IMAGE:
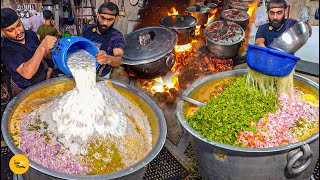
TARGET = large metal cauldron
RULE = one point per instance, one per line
(183, 25)
(201, 13)
(243, 22)
(148, 52)
(219, 161)
(136, 171)
(224, 50)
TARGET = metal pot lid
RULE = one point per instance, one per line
(201, 10)
(209, 5)
(180, 21)
(235, 15)
(234, 35)
(148, 44)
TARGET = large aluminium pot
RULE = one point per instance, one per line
(237, 16)
(149, 52)
(238, 5)
(220, 161)
(199, 12)
(207, 4)
(223, 49)
(136, 171)
(183, 25)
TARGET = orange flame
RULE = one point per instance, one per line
(181, 48)
(197, 31)
(212, 16)
(163, 84)
(173, 11)
(252, 7)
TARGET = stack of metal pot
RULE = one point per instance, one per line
(183, 25)
(149, 52)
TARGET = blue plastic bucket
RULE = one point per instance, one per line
(269, 61)
(70, 45)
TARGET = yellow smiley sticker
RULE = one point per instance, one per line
(19, 164)
(94, 30)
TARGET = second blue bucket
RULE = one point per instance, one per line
(68, 45)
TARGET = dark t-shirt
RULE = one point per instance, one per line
(13, 54)
(113, 39)
(270, 35)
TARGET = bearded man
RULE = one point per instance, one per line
(110, 40)
(22, 52)
(277, 23)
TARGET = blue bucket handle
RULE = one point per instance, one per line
(56, 45)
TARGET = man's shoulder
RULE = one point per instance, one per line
(117, 34)
(5, 45)
(264, 26)
(91, 28)
(290, 22)
(9, 48)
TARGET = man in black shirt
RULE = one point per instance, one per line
(277, 23)
(22, 52)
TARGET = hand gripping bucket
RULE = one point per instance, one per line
(269, 61)
(70, 45)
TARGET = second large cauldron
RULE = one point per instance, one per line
(221, 161)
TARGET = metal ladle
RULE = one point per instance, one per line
(193, 101)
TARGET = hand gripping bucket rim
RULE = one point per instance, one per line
(71, 43)
(269, 61)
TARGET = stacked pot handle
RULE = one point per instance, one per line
(169, 59)
(299, 159)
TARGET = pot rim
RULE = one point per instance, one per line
(117, 174)
(180, 28)
(243, 7)
(223, 44)
(206, 10)
(144, 61)
(187, 127)
(237, 20)
(209, 5)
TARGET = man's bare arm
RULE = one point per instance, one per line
(260, 42)
(29, 68)
(113, 61)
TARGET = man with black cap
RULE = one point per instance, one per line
(22, 52)
(110, 39)
(277, 23)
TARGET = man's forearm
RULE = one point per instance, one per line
(29, 68)
(260, 42)
(114, 61)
